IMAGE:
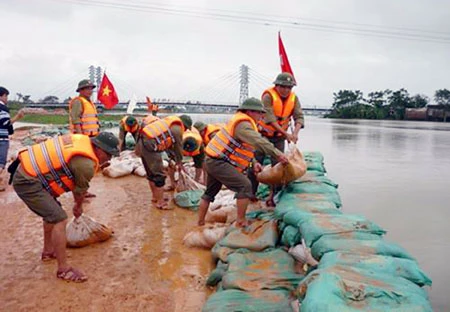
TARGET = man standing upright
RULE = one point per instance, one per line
(83, 114)
(281, 105)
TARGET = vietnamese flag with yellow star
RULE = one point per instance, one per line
(106, 93)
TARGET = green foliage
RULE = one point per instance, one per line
(442, 97)
(385, 104)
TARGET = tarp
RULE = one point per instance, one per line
(347, 289)
(188, 199)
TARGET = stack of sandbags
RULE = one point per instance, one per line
(84, 231)
(283, 174)
(205, 236)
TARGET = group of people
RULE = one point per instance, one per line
(224, 154)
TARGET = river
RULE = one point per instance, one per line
(397, 174)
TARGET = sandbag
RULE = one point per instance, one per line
(187, 183)
(405, 268)
(347, 289)
(127, 163)
(84, 231)
(205, 236)
(283, 174)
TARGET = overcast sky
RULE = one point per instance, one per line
(157, 48)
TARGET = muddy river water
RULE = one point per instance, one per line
(395, 173)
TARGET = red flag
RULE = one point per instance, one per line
(106, 93)
(149, 104)
(284, 62)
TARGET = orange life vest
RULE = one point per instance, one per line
(283, 111)
(197, 137)
(89, 118)
(127, 128)
(49, 161)
(211, 131)
(149, 119)
(225, 146)
(159, 130)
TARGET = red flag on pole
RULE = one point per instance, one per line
(284, 62)
(106, 93)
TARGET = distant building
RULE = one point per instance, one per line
(429, 113)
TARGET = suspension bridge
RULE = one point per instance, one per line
(220, 95)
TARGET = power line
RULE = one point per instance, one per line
(402, 33)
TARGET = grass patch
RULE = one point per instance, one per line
(60, 119)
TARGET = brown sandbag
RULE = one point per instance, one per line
(84, 231)
(283, 174)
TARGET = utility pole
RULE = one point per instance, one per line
(243, 94)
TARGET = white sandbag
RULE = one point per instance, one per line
(205, 236)
(225, 214)
(187, 183)
(302, 254)
(84, 231)
(119, 168)
(140, 171)
(283, 174)
(223, 198)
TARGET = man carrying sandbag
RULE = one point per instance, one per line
(230, 153)
(165, 134)
(207, 131)
(65, 163)
(127, 124)
(281, 105)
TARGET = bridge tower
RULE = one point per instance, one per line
(243, 94)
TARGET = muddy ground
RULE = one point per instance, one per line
(144, 267)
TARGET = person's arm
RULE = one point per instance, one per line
(18, 116)
(83, 170)
(245, 133)
(177, 147)
(122, 135)
(269, 117)
(299, 119)
(75, 115)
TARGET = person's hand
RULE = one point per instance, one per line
(20, 114)
(257, 167)
(283, 159)
(291, 138)
(77, 210)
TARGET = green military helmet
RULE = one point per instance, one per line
(199, 125)
(85, 83)
(190, 144)
(252, 104)
(285, 79)
(131, 121)
(107, 142)
(187, 121)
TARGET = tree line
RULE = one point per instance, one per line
(385, 104)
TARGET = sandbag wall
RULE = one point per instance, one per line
(358, 269)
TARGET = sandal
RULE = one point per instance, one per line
(163, 206)
(243, 224)
(48, 256)
(71, 275)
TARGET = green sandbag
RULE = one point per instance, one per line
(290, 202)
(313, 228)
(370, 244)
(188, 199)
(244, 301)
(316, 179)
(299, 187)
(346, 289)
(263, 191)
(216, 275)
(274, 270)
(377, 264)
(301, 196)
(313, 156)
(259, 235)
(290, 236)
